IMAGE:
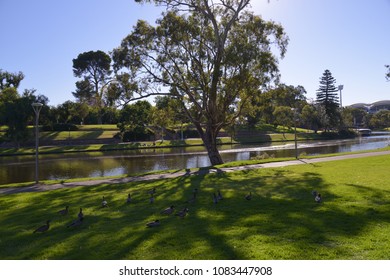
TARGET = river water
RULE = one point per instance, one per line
(17, 169)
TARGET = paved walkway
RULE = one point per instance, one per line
(41, 187)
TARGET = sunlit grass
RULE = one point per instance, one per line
(282, 221)
(98, 127)
(77, 135)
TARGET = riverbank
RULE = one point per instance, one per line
(232, 167)
(70, 147)
(64, 167)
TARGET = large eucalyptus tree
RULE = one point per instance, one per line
(94, 67)
(213, 56)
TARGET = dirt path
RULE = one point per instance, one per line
(42, 187)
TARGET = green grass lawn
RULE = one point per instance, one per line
(282, 221)
(77, 135)
(89, 127)
(104, 131)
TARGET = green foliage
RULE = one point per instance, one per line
(354, 117)
(342, 134)
(271, 106)
(311, 117)
(162, 115)
(133, 121)
(15, 109)
(327, 94)
(10, 80)
(8, 95)
(121, 90)
(16, 112)
(63, 113)
(284, 116)
(84, 91)
(380, 120)
(327, 97)
(95, 69)
(92, 65)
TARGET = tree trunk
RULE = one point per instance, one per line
(209, 138)
(213, 153)
(100, 115)
(99, 118)
(99, 104)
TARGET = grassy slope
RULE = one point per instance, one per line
(281, 222)
(101, 132)
(132, 145)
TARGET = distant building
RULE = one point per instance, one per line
(373, 107)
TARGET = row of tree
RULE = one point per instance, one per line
(282, 105)
(16, 111)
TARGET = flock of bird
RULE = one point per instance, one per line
(171, 209)
(63, 212)
(216, 198)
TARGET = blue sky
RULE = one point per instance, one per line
(348, 37)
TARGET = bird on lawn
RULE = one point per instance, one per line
(128, 198)
(76, 223)
(80, 215)
(43, 228)
(152, 191)
(219, 195)
(151, 199)
(182, 213)
(215, 199)
(104, 202)
(168, 211)
(318, 198)
(64, 211)
(248, 196)
(155, 223)
(193, 198)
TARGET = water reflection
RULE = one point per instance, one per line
(81, 165)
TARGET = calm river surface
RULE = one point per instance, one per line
(79, 165)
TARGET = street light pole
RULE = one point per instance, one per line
(341, 87)
(295, 131)
(37, 108)
(295, 137)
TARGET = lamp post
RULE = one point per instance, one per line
(341, 87)
(295, 131)
(37, 108)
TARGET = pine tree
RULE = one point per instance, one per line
(327, 97)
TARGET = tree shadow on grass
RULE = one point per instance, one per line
(94, 134)
(282, 221)
(291, 211)
(49, 136)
